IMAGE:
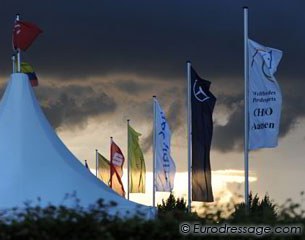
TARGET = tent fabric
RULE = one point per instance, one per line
(35, 164)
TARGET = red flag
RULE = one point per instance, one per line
(24, 34)
(116, 169)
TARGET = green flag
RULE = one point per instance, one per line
(137, 170)
(103, 169)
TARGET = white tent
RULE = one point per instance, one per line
(34, 163)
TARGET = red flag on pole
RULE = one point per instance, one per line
(24, 34)
(116, 169)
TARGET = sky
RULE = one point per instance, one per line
(100, 62)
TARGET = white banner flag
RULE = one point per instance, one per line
(165, 166)
(265, 98)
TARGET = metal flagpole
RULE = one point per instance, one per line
(154, 151)
(246, 112)
(128, 160)
(110, 163)
(13, 63)
(96, 162)
(18, 50)
(189, 133)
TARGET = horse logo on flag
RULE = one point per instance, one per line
(268, 66)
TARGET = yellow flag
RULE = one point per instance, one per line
(137, 170)
(28, 70)
(103, 169)
(26, 67)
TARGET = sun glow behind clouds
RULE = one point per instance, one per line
(220, 183)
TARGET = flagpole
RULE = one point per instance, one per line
(154, 151)
(246, 109)
(18, 50)
(111, 140)
(13, 63)
(96, 161)
(189, 132)
(128, 159)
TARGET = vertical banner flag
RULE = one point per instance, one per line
(202, 105)
(24, 34)
(265, 97)
(137, 169)
(103, 169)
(28, 70)
(165, 166)
(116, 169)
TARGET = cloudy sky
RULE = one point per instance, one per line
(100, 62)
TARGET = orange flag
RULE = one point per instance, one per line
(116, 169)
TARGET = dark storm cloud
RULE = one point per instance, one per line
(230, 136)
(73, 105)
(293, 111)
(152, 37)
(174, 114)
(131, 86)
(147, 142)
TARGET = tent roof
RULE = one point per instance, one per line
(36, 164)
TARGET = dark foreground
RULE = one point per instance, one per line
(34, 222)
